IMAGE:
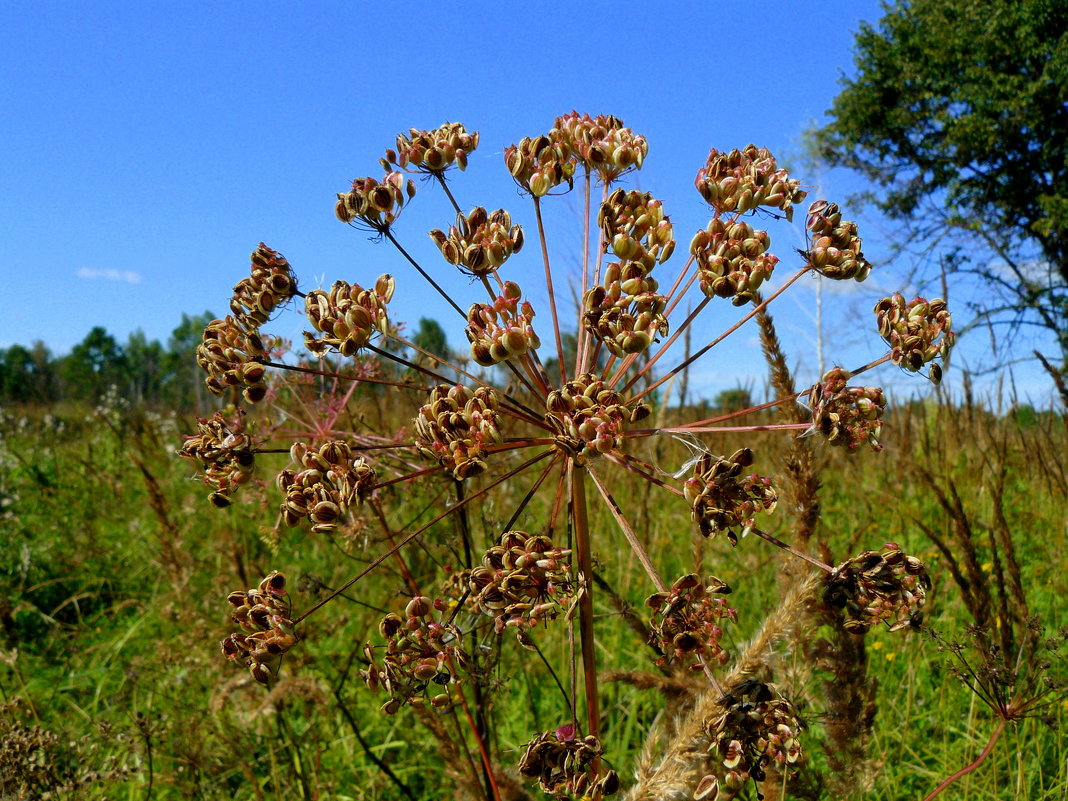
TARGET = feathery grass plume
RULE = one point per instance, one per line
(679, 770)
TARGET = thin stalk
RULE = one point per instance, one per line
(753, 313)
(368, 752)
(628, 532)
(642, 469)
(583, 335)
(389, 235)
(343, 376)
(401, 564)
(663, 348)
(409, 537)
(440, 175)
(585, 575)
(791, 549)
(549, 287)
(530, 494)
(533, 416)
(969, 768)
(487, 766)
(463, 742)
(721, 429)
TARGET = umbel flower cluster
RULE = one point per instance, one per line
(266, 629)
(559, 415)
(225, 452)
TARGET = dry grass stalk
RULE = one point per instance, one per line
(677, 771)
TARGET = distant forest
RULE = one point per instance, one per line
(141, 370)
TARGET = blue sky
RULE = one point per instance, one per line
(149, 147)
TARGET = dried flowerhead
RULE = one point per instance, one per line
(376, 204)
(432, 151)
(732, 261)
(457, 427)
(521, 582)
(834, 249)
(230, 353)
(270, 284)
(562, 763)
(636, 228)
(503, 329)
(422, 654)
(328, 482)
(917, 332)
(588, 418)
(224, 450)
(757, 727)
(686, 623)
(347, 316)
(849, 416)
(541, 164)
(479, 243)
(626, 312)
(267, 632)
(879, 586)
(744, 180)
(723, 499)
(602, 144)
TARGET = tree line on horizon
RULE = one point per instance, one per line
(144, 371)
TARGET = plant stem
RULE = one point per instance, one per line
(969, 768)
(389, 235)
(552, 294)
(585, 575)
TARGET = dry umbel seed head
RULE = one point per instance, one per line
(625, 312)
(686, 622)
(602, 144)
(732, 261)
(636, 228)
(230, 353)
(348, 316)
(376, 204)
(743, 180)
(267, 632)
(588, 418)
(917, 332)
(327, 483)
(848, 416)
(502, 330)
(270, 284)
(432, 151)
(521, 582)
(540, 165)
(562, 763)
(757, 727)
(457, 426)
(834, 249)
(480, 242)
(723, 498)
(224, 451)
(879, 586)
(421, 656)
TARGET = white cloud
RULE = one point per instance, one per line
(129, 276)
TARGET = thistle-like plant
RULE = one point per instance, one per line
(559, 422)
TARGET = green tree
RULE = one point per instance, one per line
(185, 387)
(93, 365)
(431, 338)
(959, 115)
(145, 367)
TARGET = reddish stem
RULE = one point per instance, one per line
(969, 768)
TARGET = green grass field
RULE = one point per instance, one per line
(114, 572)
